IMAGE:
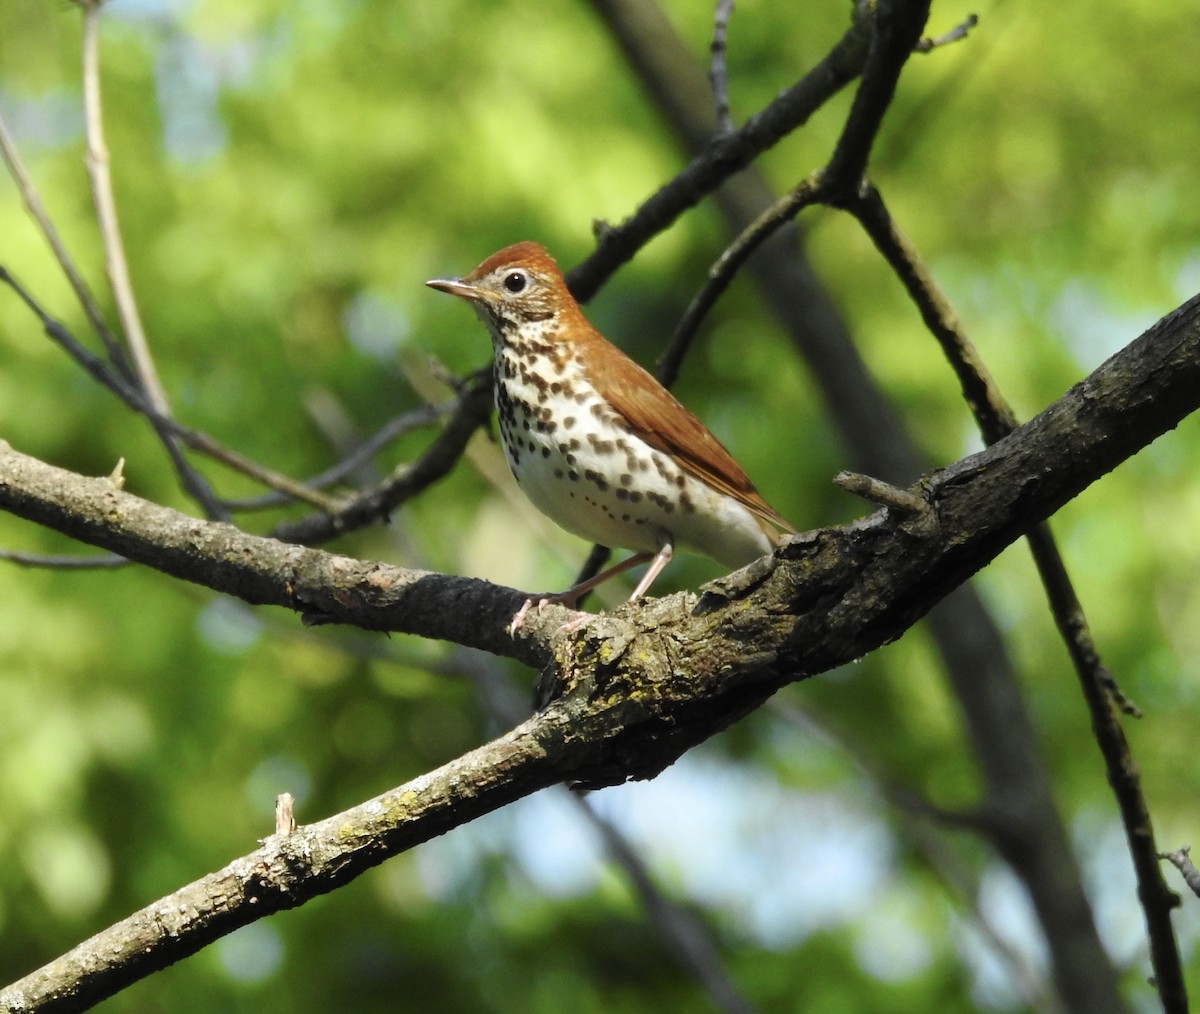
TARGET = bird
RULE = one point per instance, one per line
(597, 443)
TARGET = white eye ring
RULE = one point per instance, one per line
(515, 281)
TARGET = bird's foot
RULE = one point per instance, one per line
(567, 598)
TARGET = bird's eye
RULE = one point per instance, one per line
(516, 281)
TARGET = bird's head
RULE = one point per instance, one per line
(519, 287)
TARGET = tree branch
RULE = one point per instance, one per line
(977, 507)
(996, 418)
(898, 28)
(726, 155)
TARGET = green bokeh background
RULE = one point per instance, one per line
(287, 175)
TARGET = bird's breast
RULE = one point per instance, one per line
(584, 467)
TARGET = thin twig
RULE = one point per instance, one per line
(125, 380)
(891, 45)
(718, 72)
(685, 935)
(105, 374)
(919, 818)
(996, 420)
(106, 213)
(1181, 860)
(354, 459)
(37, 211)
(807, 192)
(369, 506)
(884, 493)
(958, 32)
(194, 483)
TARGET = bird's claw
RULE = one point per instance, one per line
(518, 621)
(538, 602)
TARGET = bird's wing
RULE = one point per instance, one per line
(663, 423)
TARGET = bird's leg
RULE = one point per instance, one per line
(659, 561)
(655, 568)
(573, 594)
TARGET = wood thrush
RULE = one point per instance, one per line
(595, 441)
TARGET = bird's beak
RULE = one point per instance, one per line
(457, 287)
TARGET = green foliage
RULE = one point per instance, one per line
(287, 175)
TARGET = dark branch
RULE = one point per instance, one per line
(996, 419)
(725, 156)
(898, 27)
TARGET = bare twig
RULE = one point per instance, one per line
(726, 155)
(37, 211)
(126, 390)
(958, 32)
(920, 819)
(193, 482)
(126, 381)
(369, 506)
(106, 213)
(718, 71)
(354, 459)
(807, 192)
(688, 939)
(1181, 860)
(897, 27)
(882, 493)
